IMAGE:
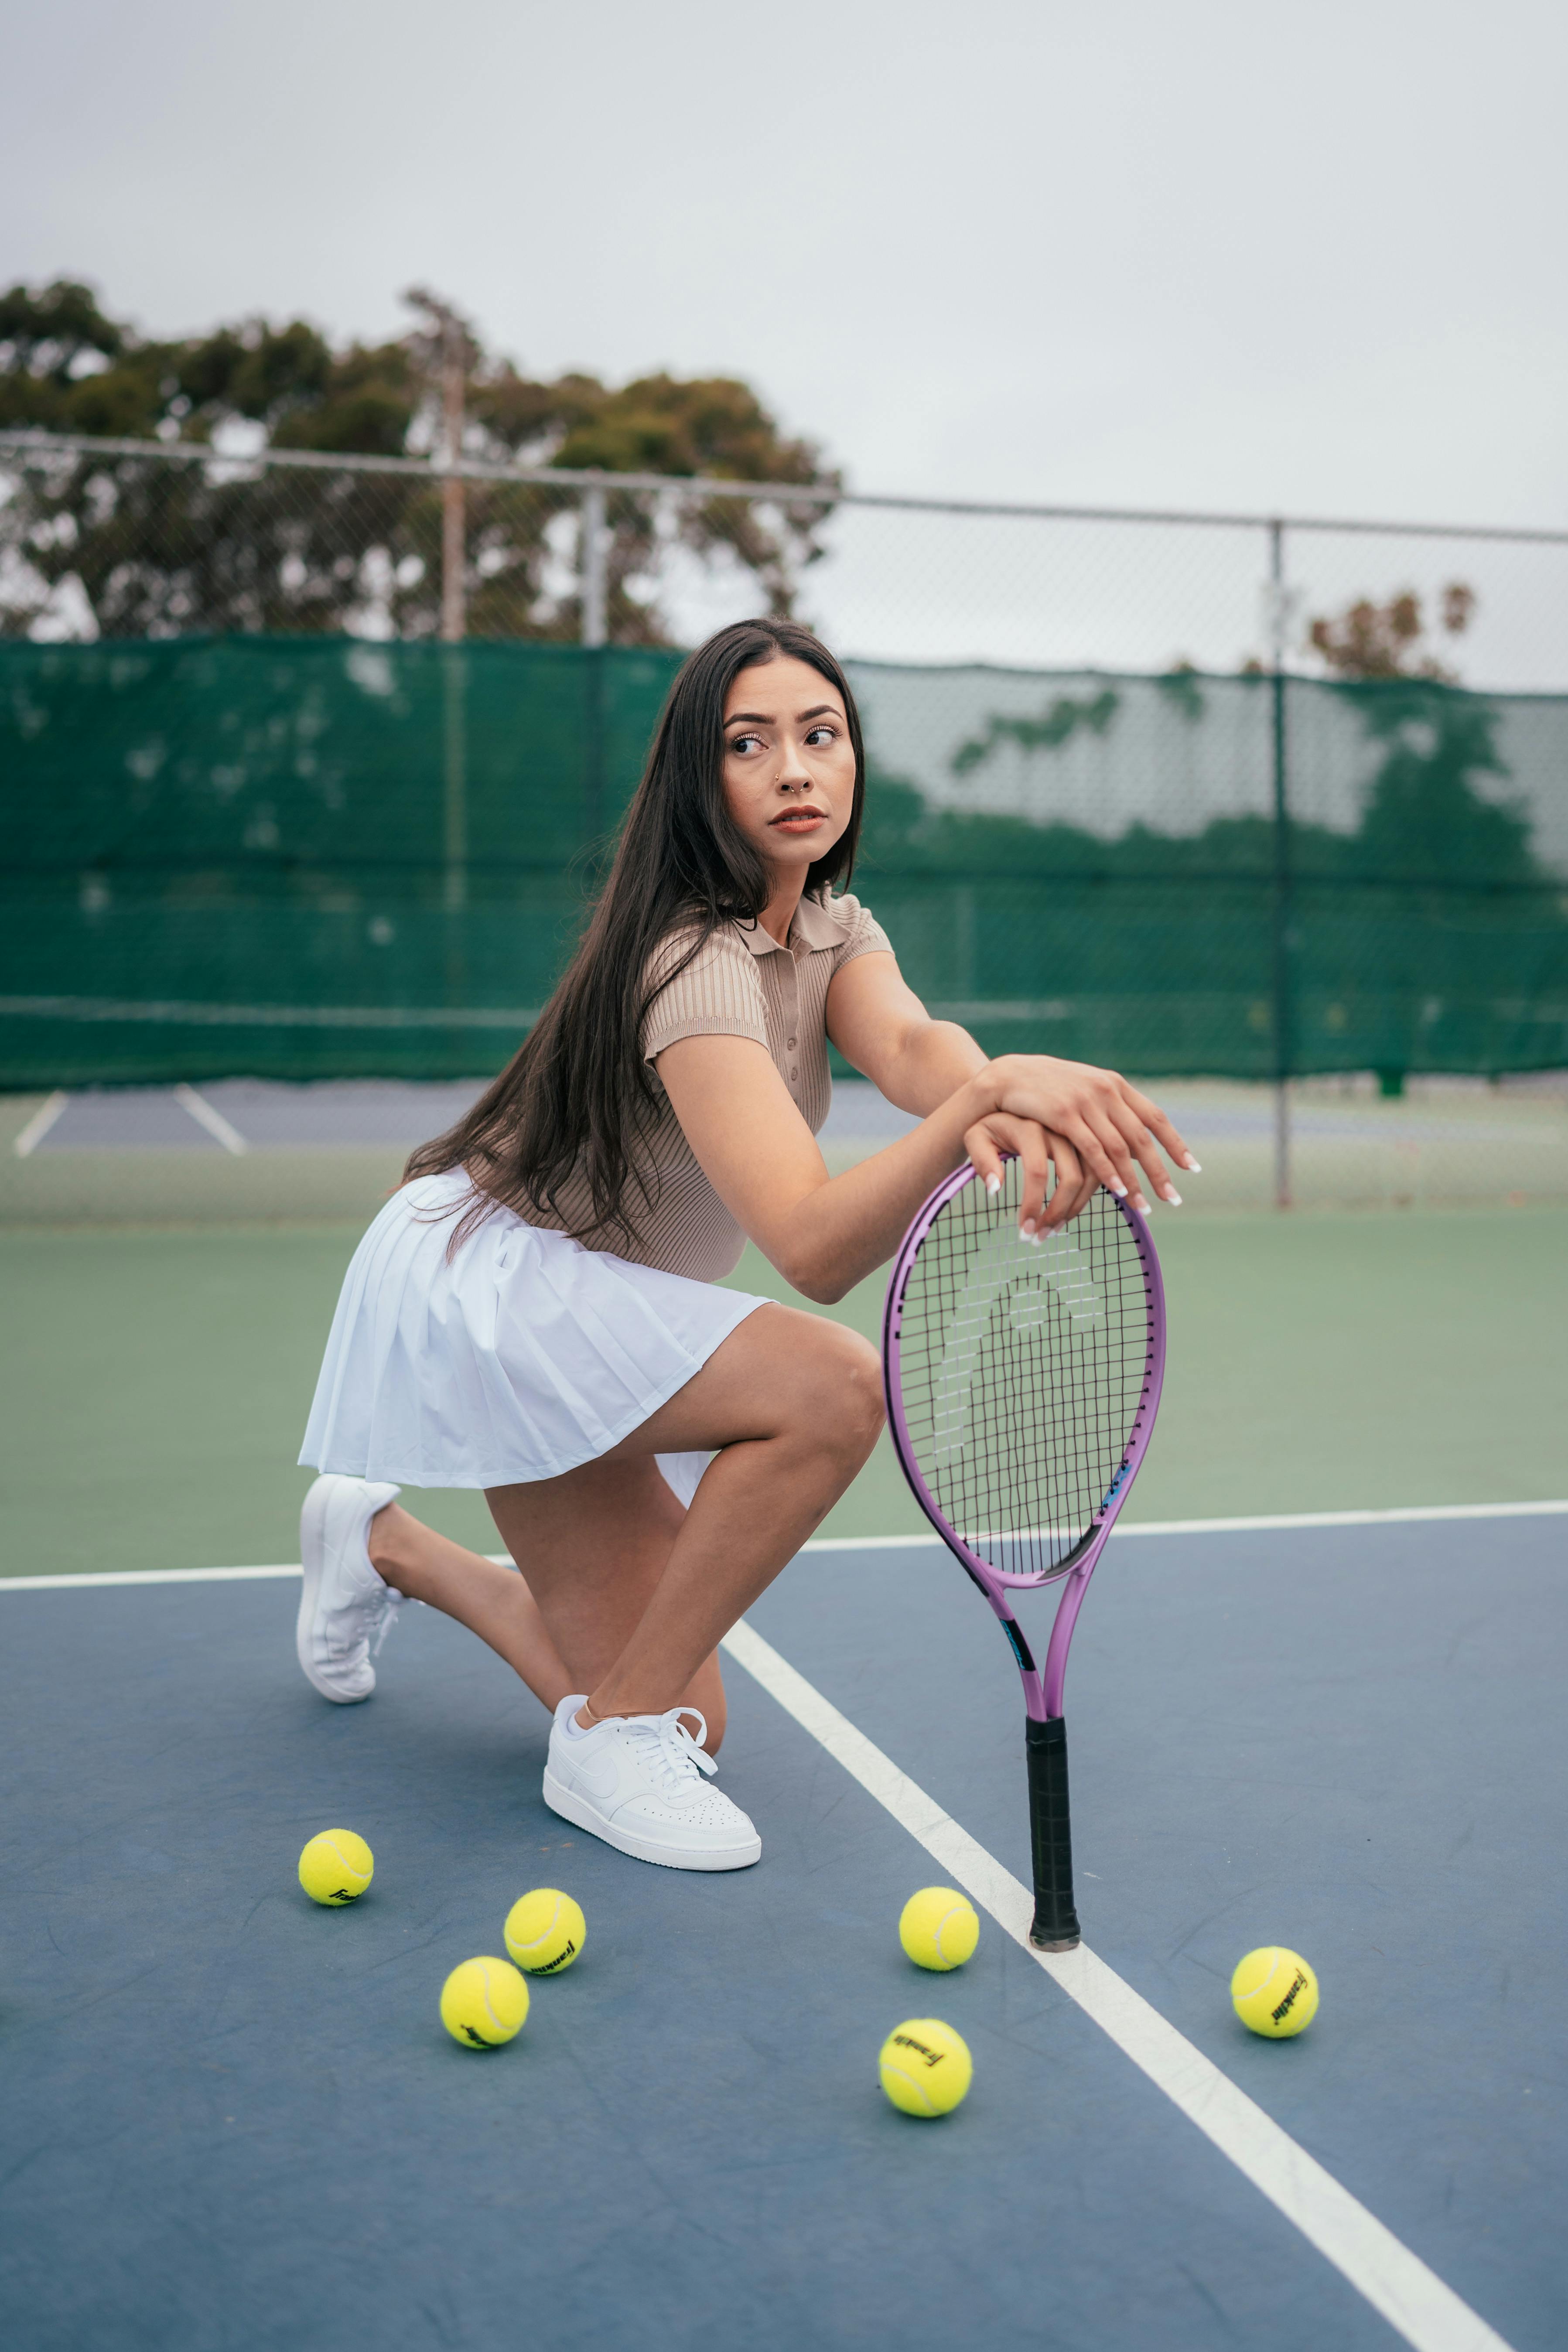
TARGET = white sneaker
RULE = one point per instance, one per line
(636, 1780)
(344, 1601)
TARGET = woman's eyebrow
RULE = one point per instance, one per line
(770, 718)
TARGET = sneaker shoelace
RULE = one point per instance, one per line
(370, 1613)
(394, 1602)
(678, 1756)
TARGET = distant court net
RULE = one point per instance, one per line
(312, 857)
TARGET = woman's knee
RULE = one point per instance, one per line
(845, 1393)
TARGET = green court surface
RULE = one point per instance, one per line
(155, 1381)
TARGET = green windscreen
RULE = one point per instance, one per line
(318, 858)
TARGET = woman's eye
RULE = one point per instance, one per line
(739, 742)
(823, 734)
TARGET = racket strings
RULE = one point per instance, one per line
(1022, 1369)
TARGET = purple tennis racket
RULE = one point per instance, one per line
(1022, 1380)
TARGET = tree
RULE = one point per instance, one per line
(1055, 726)
(1382, 641)
(166, 547)
(1427, 815)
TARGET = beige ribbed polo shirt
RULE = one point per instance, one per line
(742, 983)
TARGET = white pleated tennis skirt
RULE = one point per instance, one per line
(517, 1359)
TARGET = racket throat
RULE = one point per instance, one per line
(1056, 1927)
(1022, 1656)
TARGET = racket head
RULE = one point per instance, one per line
(1022, 1378)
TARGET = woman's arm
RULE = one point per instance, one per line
(882, 1029)
(879, 1024)
(823, 1232)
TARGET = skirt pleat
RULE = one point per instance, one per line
(518, 1357)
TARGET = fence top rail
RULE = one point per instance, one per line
(24, 443)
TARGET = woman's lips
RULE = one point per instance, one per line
(799, 820)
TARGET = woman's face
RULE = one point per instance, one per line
(789, 764)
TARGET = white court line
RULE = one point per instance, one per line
(93, 1577)
(216, 1125)
(1396, 2283)
(1409, 1512)
(39, 1126)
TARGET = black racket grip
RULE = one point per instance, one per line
(1056, 1927)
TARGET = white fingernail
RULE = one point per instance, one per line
(994, 1185)
(1027, 1229)
(1118, 1188)
(1195, 1165)
(1172, 1198)
(1140, 1202)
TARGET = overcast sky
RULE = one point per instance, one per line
(1212, 254)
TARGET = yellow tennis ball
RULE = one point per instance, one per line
(483, 2003)
(1274, 1991)
(925, 2066)
(544, 1931)
(335, 1868)
(938, 1928)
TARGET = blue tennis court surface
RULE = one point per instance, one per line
(231, 2119)
(260, 1113)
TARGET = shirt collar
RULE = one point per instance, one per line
(817, 924)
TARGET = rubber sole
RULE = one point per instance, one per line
(581, 1814)
(313, 1544)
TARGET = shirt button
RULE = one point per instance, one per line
(789, 1040)
(794, 1074)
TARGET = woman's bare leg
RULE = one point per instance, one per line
(618, 1519)
(622, 1592)
(492, 1601)
(794, 1404)
(611, 1524)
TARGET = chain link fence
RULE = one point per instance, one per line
(309, 760)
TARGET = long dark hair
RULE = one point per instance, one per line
(577, 1098)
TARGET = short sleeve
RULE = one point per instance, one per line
(718, 994)
(866, 935)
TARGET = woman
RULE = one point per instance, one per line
(536, 1310)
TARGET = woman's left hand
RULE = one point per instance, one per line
(1002, 1136)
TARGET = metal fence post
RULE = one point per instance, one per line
(593, 567)
(454, 600)
(965, 984)
(453, 596)
(1279, 616)
(455, 770)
